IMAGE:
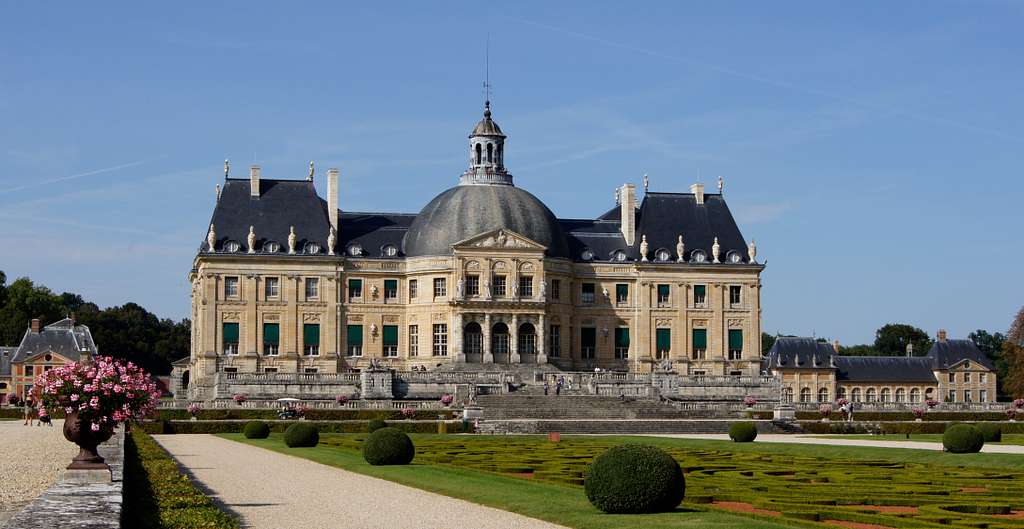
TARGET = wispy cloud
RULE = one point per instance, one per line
(78, 224)
(74, 176)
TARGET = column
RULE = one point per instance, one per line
(252, 324)
(457, 341)
(542, 356)
(513, 340)
(488, 356)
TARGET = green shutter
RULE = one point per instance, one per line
(230, 333)
(622, 337)
(699, 290)
(271, 333)
(700, 339)
(588, 337)
(663, 339)
(311, 334)
(621, 291)
(355, 287)
(355, 335)
(662, 291)
(390, 335)
(735, 340)
(391, 284)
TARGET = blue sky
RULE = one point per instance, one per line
(873, 150)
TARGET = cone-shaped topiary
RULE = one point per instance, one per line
(388, 446)
(634, 478)
(963, 439)
(993, 433)
(256, 430)
(743, 432)
(375, 424)
(301, 435)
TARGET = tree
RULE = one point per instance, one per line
(1013, 353)
(858, 350)
(892, 339)
(767, 341)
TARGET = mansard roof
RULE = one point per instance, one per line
(6, 354)
(884, 369)
(945, 354)
(63, 338)
(793, 352)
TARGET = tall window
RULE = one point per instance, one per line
(473, 338)
(622, 343)
(556, 289)
(355, 289)
(414, 289)
(735, 294)
(700, 344)
(872, 395)
(440, 339)
(354, 335)
(621, 293)
(555, 339)
(967, 378)
(311, 339)
(30, 371)
(230, 333)
(735, 344)
(526, 286)
(587, 293)
(414, 340)
(951, 397)
(663, 342)
(527, 342)
(952, 378)
(272, 287)
(588, 341)
(390, 340)
(886, 395)
(700, 295)
(901, 395)
(499, 286)
(805, 395)
(982, 395)
(663, 295)
(271, 339)
(967, 395)
(312, 288)
(855, 395)
(231, 287)
(982, 377)
(390, 289)
(915, 395)
(472, 285)
(440, 287)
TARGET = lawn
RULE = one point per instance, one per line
(1008, 438)
(794, 485)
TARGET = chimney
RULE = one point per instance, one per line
(36, 325)
(254, 181)
(332, 198)
(698, 192)
(627, 199)
(942, 335)
(835, 346)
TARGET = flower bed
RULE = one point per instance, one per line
(236, 426)
(313, 414)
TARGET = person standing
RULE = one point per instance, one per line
(546, 386)
(30, 411)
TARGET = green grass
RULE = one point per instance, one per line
(1008, 439)
(555, 503)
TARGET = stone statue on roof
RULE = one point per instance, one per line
(680, 247)
(752, 251)
(292, 239)
(643, 247)
(332, 239)
(312, 171)
(211, 239)
(716, 249)
(251, 239)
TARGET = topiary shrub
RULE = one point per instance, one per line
(993, 433)
(634, 478)
(963, 439)
(375, 424)
(388, 446)
(256, 430)
(743, 432)
(301, 435)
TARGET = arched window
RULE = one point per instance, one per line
(501, 153)
(915, 395)
(822, 394)
(886, 395)
(840, 393)
(805, 395)
(872, 395)
(478, 151)
(855, 395)
(787, 394)
(901, 395)
(490, 153)
(527, 339)
(473, 339)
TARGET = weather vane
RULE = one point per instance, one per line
(487, 72)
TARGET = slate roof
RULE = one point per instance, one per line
(790, 352)
(282, 204)
(947, 353)
(884, 369)
(6, 353)
(62, 337)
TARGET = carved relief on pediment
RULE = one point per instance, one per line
(230, 316)
(500, 239)
(311, 317)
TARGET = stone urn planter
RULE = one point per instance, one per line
(78, 432)
(918, 419)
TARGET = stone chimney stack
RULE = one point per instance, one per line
(332, 198)
(835, 346)
(942, 335)
(627, 203)
(36, 325)
(254, 181)
(698, 192)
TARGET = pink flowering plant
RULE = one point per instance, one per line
(1018, 403)
(341, 399)
(408, 413)
(104, 393)
(842, 402)
(239, 398)
(825, 410)
(931, 403)
(447, 399)
(194, 409)
(918, 412)
(1011, 413)
(749, 401)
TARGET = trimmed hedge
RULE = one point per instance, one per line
(992, 432)
(388, 446)
(301, 435)
(214, 427)
(963, 439)
(375, 424)
(256, 430)
(910, 427)
(158, 496)
(634, 478)
(888, 416)
(743, 432)
(313, 414)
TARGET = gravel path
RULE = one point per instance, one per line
(812, 440)
(272, 490)
(30, 461)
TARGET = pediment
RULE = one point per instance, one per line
(34, 357)
(500, 239)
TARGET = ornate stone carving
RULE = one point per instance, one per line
(292, 239)
(438, 316)
(643, 248)
(700, 323)
(390, 318)
(527, 267)
(543, 290)
(271, 316)
(250, 240)
(663, 322)
(680, 248)
(311, 317)
(501, 239)
(459, 286)
(752, 251)
(332, 239)
(211, 240)
(357, 317)
(716, 249)
(230, 316)
(473, 265)
(735, 322)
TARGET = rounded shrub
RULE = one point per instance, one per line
(301, 435)
(375, 424)
(634, 478)
(993, 433)
(743, 432)
(388, 446)
(256, 430)
(963, 439)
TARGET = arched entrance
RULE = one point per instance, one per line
(184, 382)
(499, 343)
(472, 342)
(526, 343)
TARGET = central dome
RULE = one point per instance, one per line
(467, 210)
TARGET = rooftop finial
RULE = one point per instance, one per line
(647, 182)
(312, 171)
(227, 167)
(721, 184)
(487, 77)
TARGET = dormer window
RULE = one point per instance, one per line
(271, 247)
(619, 255)
(733, 257)
(389, 250)
(355, 250)
(587, 255)
(662, 255)
(232, 246)
(698, 256)
(311, 248)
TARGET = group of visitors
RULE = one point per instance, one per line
(560, 382)
(847, 410)
(34, 413)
